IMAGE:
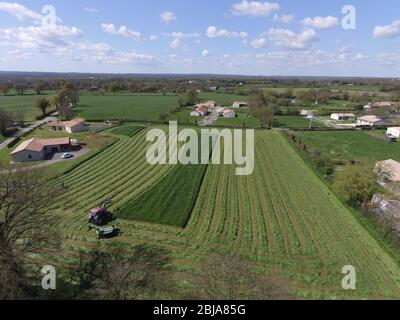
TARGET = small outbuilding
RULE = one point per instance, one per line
(239, 104)
(343, 116)
(229, 114)
(393, 132)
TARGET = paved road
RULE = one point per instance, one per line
(208, 121)
(28, 129)
(334, 124)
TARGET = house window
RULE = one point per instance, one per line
(29, 156)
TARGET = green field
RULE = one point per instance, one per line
(225, 100)
(139, 107)
(24, 105)
(171, 200)
(295, 122)
(283, 216)
(352, 145)
(126, 130)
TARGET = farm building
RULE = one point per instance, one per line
(370, 121)
(378, 105)
(74, 125)
(220, 112)
(38, 149)
(200, 111)
(239, 104)
(210, 104)
(343, 116)
(306, 113)
(229, 113)
(389, 170)
(393, 132)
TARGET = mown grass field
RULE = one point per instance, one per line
(24, 105)
(352, 145)
(283, 216)
(171, 200)
(295, 122)
(139, 107)
(126, 130)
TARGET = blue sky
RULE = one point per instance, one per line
(283, 37)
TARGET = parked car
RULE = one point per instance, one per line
(66, 156)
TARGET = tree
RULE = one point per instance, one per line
(5, 121)
(110, 273)
(43, 104)
(357, 183)
(222, 277)
(191, 98)
(260, 108)
(4, 89)
(25, 229)
(20, 89)
(39, 86)
(132, 86)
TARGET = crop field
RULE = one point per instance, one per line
(24, 105)
(165, 205)
(127, 130)
(283, 216)
(351, 145)
(139, 107)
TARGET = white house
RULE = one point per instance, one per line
(393, 132)
(200, 111)
(229, 113)
(75, 125)
(343, 116)
(220, 111)
(239, 104)
(37, 149)
(370, 121)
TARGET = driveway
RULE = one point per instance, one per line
(56, 158)
(28, 129)
(208, 121)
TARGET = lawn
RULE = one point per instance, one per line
(242, 120)
(352, 145)
(23, 105)
(282, 217)
(138, 107)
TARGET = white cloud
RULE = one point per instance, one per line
(288, 39)
(14, 56)
(205, 53)
(285, 18)
(259, 43)
(181, 35)
(177, 44)
(214, 32)
(254, 9)
(91, 10)
(122, 31)
(389, 58)
(168, 17)
(19, 11)
(389, 31)
(35, 37)
(153, 37)
(321, 22)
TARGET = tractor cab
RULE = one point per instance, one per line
(100, 216)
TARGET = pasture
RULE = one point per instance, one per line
(282, 216)
(138, 107)
(23, 105)
(222, 99)
(352, 145)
